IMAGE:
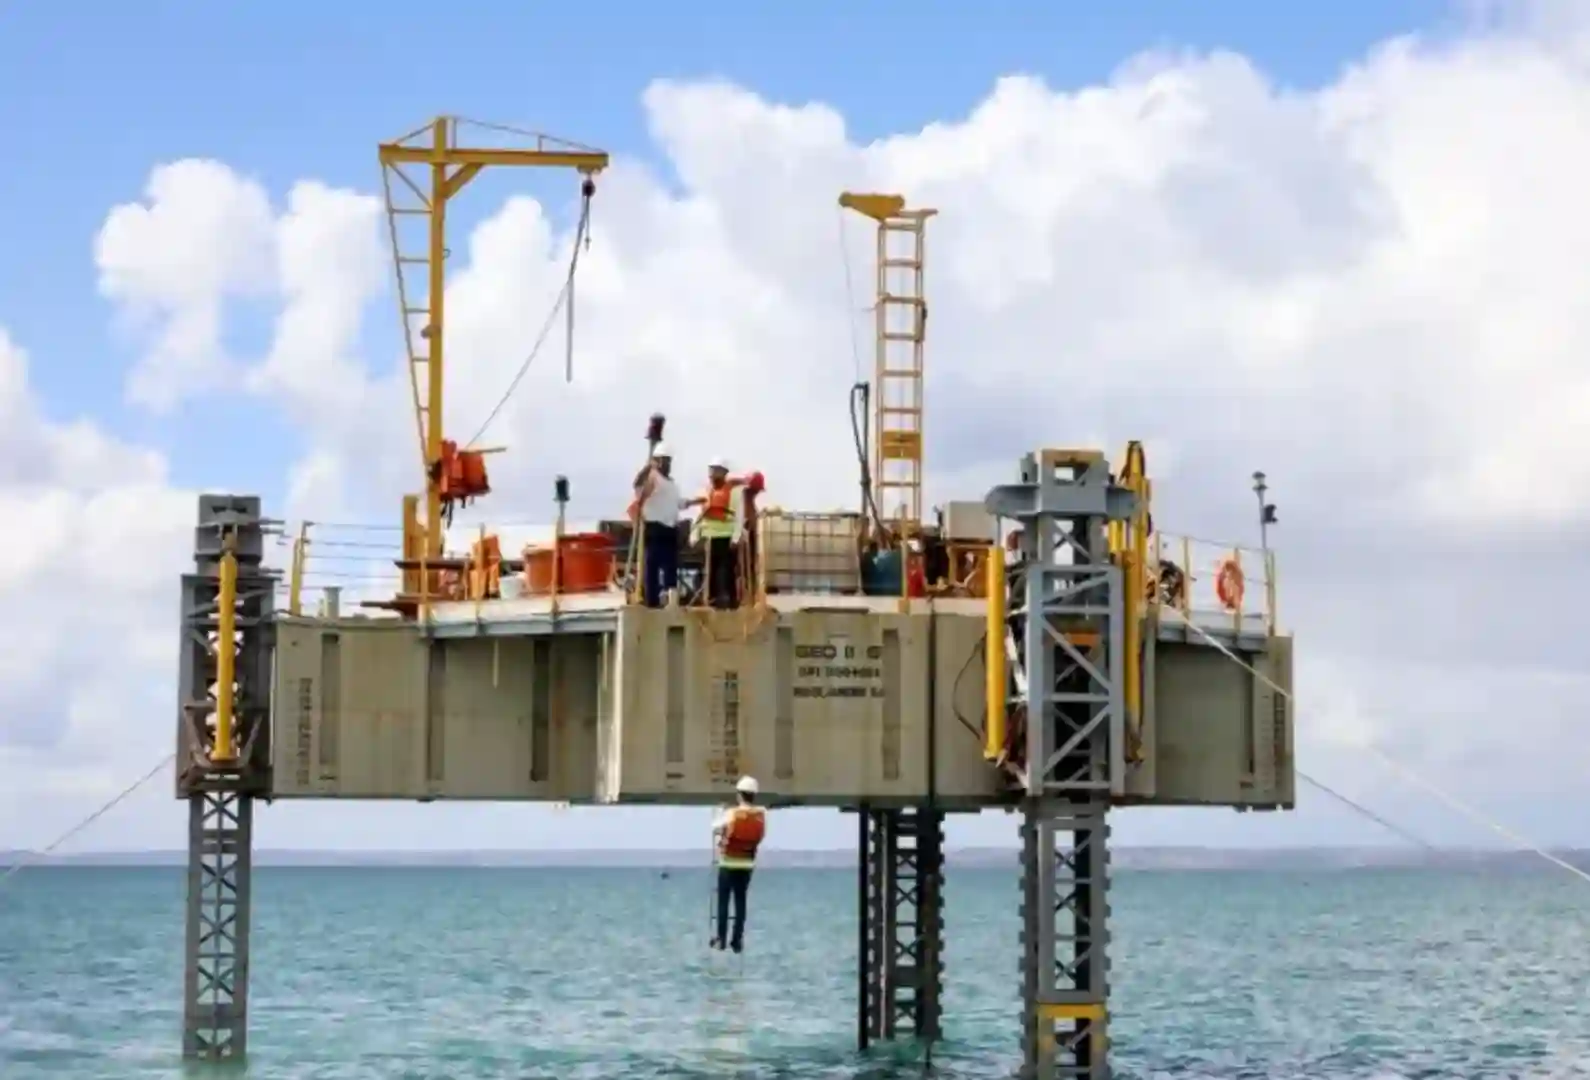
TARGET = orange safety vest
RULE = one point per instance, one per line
(742, 834)
(718, 506)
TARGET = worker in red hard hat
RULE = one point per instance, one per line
(749, 487)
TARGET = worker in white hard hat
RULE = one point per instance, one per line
(716, 528)
(737, 832)
(656, 513)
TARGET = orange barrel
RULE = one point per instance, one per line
(587, 562)
(538, 570)
(585, 565)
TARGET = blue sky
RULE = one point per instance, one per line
(288, 91)
(284, 91)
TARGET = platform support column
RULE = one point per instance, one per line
(220, 857)
(1065, 608)
(220, 789)
(901, 908)
(1065, 941)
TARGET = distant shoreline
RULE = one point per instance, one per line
(1124, 858)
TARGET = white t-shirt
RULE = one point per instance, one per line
(662, 505)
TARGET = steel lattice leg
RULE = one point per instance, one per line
(220, 790)
(1065, 941)
(902, 917)
(220, 844)
(1067, 614)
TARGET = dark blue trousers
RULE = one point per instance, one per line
(660, 544)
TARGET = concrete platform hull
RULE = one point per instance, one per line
(1215, 732)
(370, 709)
(824, 707)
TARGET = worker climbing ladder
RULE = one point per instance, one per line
(900, 313)
(1065, 628)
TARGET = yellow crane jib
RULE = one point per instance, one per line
(452, 473)
(900, 312)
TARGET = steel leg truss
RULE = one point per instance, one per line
(901, 901)
(220, 842)
(1065, 631)
(1065, 941)
(221, 794)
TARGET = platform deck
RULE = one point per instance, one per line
(577, 613)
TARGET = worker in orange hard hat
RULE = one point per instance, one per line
(737, 833)
(716, 526)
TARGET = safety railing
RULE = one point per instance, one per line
(338, 565)
(331, 567)
(1213, 584)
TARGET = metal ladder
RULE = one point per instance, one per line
(901, 315)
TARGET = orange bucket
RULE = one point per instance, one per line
(585, 564)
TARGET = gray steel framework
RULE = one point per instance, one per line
(1064, 641)
(901, 909)
(221, 796)
(215, 985)
(1064, 637)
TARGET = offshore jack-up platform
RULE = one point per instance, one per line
(1067, 669)
(850, 701)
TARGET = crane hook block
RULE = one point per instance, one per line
(460, 474)
(654, 428)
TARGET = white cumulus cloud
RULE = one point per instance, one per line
(96, 540)
(1371, 290)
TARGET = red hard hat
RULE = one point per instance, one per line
(756, 482)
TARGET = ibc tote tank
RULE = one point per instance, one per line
(810, 553)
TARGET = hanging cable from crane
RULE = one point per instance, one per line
(564, 302)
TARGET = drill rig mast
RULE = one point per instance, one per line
(900, 315)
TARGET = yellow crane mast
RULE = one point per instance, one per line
(901, 319)
(451, 474)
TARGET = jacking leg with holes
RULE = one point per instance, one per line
(901, 891)
(1065, 606)
(1065, 940)
(223, 757)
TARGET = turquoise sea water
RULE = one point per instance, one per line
(462, 974)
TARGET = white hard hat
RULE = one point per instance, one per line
(661, 450)
(719, 463)
(748, 785)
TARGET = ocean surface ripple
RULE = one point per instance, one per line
(459, 974)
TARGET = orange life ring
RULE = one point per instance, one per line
(1229, 585)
